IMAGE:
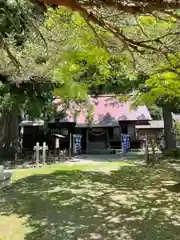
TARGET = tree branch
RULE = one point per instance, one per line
(5, 46)
(85, 9)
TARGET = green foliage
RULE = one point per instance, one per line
(56, 61)
(15, 22)
(153, 35)
(80, 38)
(79, 58)
(117, 82)
(30, 98)
(172, 153)
(74, 58)
(67, 46)
(161, 88)
(155, 112)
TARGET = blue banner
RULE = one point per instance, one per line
(125, 143)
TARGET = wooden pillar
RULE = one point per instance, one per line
(120, 135)
(146, 151)
(70, 144)
(21, 136)
(120, 129)
(37, 153)
(107, 138)
(153, 152)
(87, 140)
(44, 149)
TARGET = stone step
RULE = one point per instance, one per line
(97, 145)
(5, 178)
(5, 183)
(5, 174)
(1, 168)
(98, 151)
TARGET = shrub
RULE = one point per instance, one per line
(172, 153)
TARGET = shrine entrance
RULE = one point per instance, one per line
(97, 140)
(97, 134)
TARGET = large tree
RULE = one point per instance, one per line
(92, 60)
(162, 88)
(40, 67)
(71, 39)
(29, 98)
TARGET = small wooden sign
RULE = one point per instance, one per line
(57, 142)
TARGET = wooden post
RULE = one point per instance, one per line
(44, 149)
(73, 144)
(70, 144)
(87, 140)
(146, 152)
(21, 136)
(153, 152)
(37, 149)
(57, 146)
(57, 143)
(15, 158)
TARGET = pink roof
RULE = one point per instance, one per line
(108, 110)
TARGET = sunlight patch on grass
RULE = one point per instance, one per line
(67, 202)
(69, 166)
(12, 227)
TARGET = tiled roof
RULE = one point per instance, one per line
(176, 116)
(32, 123)
(154, 124)
(107, 110)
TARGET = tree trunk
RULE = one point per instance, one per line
(169, 135)
(9, 137)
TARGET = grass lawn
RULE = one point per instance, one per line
(64, 202)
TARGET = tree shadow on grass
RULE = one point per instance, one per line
(126, 204)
